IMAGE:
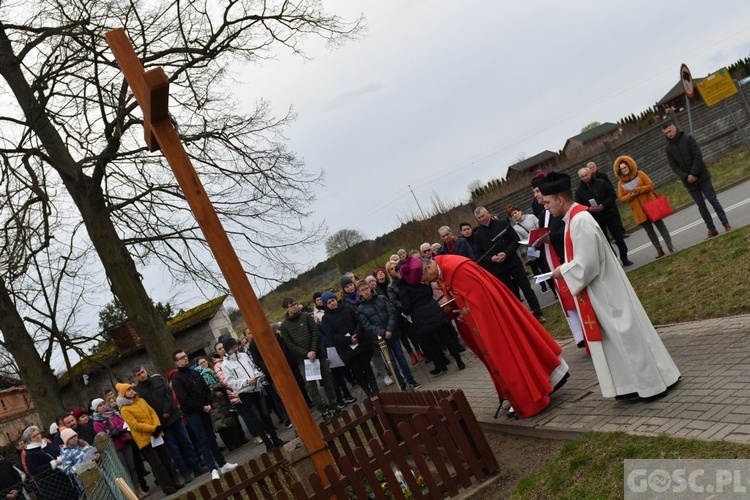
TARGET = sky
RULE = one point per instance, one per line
(436, 95)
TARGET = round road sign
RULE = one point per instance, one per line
(687, 81)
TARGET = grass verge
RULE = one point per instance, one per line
(701, 282)
(592, 465)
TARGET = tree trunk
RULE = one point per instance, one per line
(89, 198)
(35, 373)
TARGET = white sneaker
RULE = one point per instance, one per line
(215, 474)
(227, 467)
(387, 380)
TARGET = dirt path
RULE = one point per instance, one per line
(518, 456)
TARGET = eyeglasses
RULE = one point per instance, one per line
(427, 251)
(293, 304)
(180, 358)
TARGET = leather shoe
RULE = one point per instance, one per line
(660, 254)
(727, 227)
(627, 263)
(712, 233)
(671, 249)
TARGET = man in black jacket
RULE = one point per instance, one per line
(686, 159)
(600, 175)
(301, 335)
(195, 399)
(496, 250)
(155, 391)
(601, 199)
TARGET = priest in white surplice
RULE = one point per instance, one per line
(629, 357)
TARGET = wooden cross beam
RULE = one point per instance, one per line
(151, 90)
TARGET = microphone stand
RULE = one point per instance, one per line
(494, 242)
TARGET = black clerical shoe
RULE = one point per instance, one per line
(627, 263)
(581, 344)
(561, 383)
(627, 397)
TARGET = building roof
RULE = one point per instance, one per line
(675, 92)
(533, 161)
(594, 133)
(195, 316)
(108, 353)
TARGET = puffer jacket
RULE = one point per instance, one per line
(301, 335)
(140, 417)
(636, 188)
(337, 323)
(378, 316)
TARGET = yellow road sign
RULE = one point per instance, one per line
(716, 87)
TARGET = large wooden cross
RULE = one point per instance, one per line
(151, 90)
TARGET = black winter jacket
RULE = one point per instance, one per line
(191, 390)
(155, 391)
(685, 158)
(507, 243)
(378, 316)
(603, 193)
(417, 301)
(339, 322)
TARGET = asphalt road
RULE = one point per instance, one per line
(686, 227)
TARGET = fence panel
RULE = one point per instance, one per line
(426, 442)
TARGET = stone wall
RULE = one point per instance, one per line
(714, 130)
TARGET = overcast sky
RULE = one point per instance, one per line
(438, 94)
(435, 95)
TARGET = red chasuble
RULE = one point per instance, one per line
(517, 351)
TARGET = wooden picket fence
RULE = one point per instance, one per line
(429, 441)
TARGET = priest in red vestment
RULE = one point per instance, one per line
(523, 360)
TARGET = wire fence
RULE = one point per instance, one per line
(92, 480)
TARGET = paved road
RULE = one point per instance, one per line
(686, 227)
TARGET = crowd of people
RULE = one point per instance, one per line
(422, 306)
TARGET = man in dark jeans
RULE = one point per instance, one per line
(195, 399)
(156, 392)
(601, 199)
(686, 159)
(496, 250)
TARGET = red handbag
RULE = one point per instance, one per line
(658, 208)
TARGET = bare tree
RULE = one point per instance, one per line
(342, 240)
(590, 126)
(77, 118)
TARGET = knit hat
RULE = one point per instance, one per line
(122, 388)
(345, 280)
(412, 270)
(380, 270)
(229, 343)
(327, 296)
(316, 295)
(394, 258)
(77, 413)
(95, 403)
(66, 434)
(538, 179)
